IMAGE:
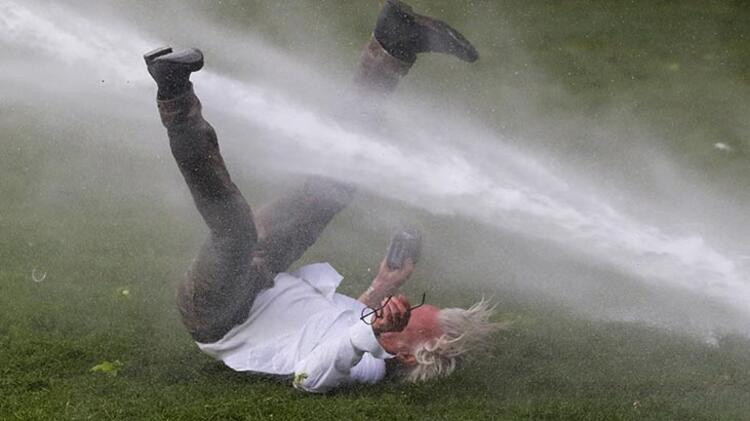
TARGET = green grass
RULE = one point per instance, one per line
(547, 365)
(103, 217)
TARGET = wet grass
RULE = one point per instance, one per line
(101, 221)
(112, 260)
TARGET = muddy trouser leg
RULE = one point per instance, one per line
(223, 279)
(291, 224)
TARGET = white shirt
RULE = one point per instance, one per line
(301, 326)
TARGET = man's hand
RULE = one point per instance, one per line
(392, 279)
(393, 317)
(386, 283)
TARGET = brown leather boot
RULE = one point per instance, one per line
(404, 34)
(171, 69)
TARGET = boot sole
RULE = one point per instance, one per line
(154, 54)
(190, 59)
(456, 44)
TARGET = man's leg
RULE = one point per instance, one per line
(292, 223)
(222, 282)
(288, 226)
(399, 35)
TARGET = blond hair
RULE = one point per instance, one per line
(464, 330)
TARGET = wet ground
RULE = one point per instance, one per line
(643, 102)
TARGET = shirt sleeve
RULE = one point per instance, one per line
(329, 365)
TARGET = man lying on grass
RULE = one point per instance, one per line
(238, 303)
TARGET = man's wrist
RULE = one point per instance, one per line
(382, 287)
(377, 282)
(376, 292)
(370, 290)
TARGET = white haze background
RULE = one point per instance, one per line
(71, 57)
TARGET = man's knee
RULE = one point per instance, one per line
(332, 192)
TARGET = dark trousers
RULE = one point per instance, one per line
(244, 251)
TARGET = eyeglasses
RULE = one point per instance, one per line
(378, 311)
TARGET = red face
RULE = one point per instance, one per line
(423, 325)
